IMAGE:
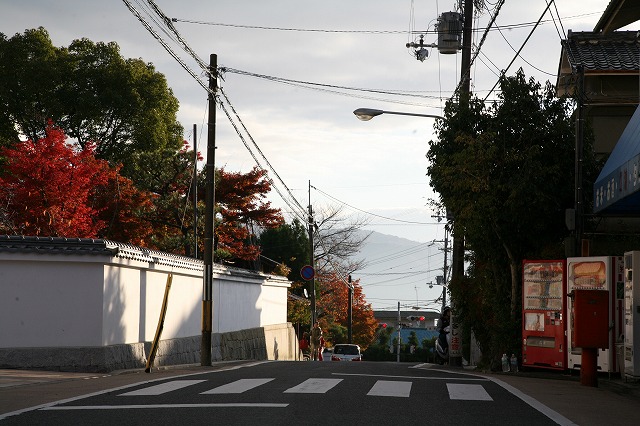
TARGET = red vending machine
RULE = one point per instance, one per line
(544, 314)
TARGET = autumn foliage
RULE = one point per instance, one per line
(240, 200)
(49, 189)
(333, 302)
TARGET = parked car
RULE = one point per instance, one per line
(346, 352)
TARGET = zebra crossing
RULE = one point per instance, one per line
(381, 388)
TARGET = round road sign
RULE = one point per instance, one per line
(307, 272)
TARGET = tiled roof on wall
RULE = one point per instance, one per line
(56, 245)
(617, 51)
(96, 247)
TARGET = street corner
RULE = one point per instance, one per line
(10, 378)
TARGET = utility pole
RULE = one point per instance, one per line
(444, 268)
(312, 262)
(195, 193)
(580, 248)
(457, 261)
(207, 288)
(443, 283)
(350, 311)
(399, 336)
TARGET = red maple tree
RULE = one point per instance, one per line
(50, 189)
(333, 302)
(241, 211)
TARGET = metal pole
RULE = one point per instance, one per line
(578, 163)
(312, 261)
(444, 269)
(350, 311)
(398, 345)
(207, 290)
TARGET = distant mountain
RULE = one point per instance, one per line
(399, 270)
(380, 245)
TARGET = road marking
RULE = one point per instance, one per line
(142, 406)
(163, 388)
(553, 415)
(468, 392)
(314, 386)
(391, 388)
(238, 386)
(465, 379)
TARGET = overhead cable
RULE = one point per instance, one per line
(369, 213)
(519, 50)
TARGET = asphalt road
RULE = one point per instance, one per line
(309, 393)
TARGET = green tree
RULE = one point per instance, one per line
(287, 244)
(92, 93)
(505, 171)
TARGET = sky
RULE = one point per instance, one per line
(306, 128)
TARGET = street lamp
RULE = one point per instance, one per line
(366, 114)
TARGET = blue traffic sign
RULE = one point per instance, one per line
(307, 272)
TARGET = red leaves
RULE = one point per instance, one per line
(51, 190)
(239, 198)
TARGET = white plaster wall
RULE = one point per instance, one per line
(272, 304)
(49, 300)
(184, 307)
(121, 305)
(50, 303)
(235, 305)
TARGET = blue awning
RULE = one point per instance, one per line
(617, 188)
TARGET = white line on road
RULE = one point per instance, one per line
(391, 388)
(468, 392)
(314, 386)
(238, 386)
(163, 388)
(154, 406)
(104, 391)
(553, 415)
(466, 379)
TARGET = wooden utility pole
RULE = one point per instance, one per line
(207, 287)
(457, 261)
(195, 192)
(312, 262)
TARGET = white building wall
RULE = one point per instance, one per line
(62, 300)
(184, 309)
(44, 303)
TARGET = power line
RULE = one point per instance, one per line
(519, 50)
(369, 213)
(310, 30)
(328, 88)
(204, 66)
(328, 31)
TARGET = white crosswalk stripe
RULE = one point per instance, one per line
(468, 392)
(381, 388)
(238, 386)
(314, 386)
(163, 388)
(391, 388)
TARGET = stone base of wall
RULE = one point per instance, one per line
(79, 359)
(275, 342)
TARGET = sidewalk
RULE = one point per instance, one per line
(614, 401)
